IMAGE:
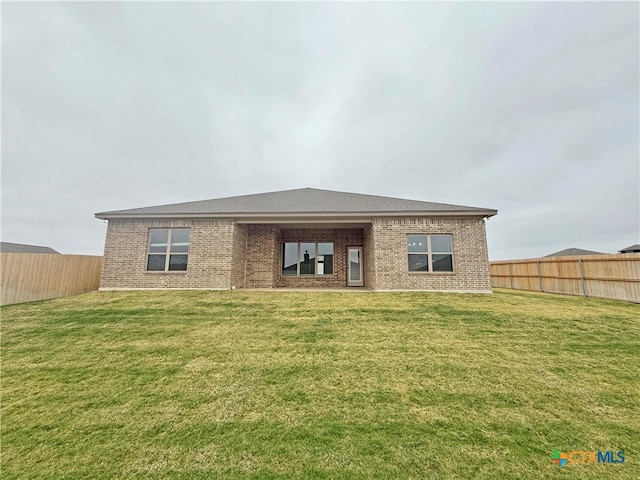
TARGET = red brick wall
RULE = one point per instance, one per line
(262, 256)
(341, 238)
(238, 256)
(470, 258)
(369, 260)
(209, 263)
(223, 255)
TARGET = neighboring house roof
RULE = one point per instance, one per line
(568, 252)
(632, 249)
(6, 247)
(300, 202)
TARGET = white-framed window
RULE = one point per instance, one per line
(430, 253)
(306, 259)
(168, 249)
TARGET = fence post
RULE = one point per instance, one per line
(539, 278)
(584, 290)
(510, 276)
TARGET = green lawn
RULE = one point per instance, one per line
(238, 385)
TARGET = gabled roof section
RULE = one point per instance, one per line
(7, 247)
(631, 249)
(300, 202)
(570, 252)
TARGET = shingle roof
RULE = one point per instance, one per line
(300, 201)
(631, 249)
(569, 252)
(6, 247)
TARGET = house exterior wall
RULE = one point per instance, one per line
(223, 255)
(212, 245)
(262, 256)
(470, 258)
(238, 255)
(341, 238)
(369, 260)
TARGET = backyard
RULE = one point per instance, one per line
(319, 385)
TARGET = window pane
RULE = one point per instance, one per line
(158, 235)
(442, 262)
(180, 240)
(307, 259)
(441, 243)
(325, 259)
(354, 265)
(290, 259)
(418, 263)
(177, 262)
(156, 262)
(158, 240)
(416, 243)
(325, 249)
(325, 266)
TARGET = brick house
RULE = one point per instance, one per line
(303, 238)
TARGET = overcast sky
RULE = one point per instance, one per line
(529, 108)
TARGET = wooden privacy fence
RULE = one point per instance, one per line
(614, 276)
(37, 276)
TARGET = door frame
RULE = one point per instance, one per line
(351, 283)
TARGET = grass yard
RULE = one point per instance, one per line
(318, 385)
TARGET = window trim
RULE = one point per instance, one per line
(429, 253)
(298, 261)
(167, 253)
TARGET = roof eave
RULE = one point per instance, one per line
(246, 217)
